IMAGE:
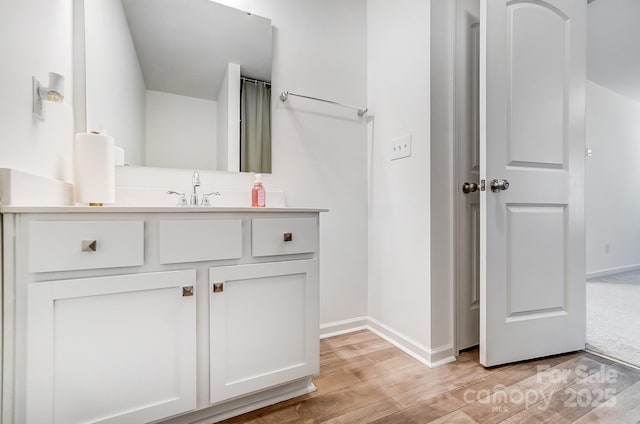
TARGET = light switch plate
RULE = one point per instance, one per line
(401, 147)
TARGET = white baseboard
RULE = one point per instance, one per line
(337, 328)
(442, 355)
(611, 271)
(430, 357)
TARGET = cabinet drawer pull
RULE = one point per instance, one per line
(187, 291)
(287, 236)
(89, 245)
(218, 287)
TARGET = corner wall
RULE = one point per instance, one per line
(612, 182)
(228, 116)
(36, 39)
(443, 188)
(398, 72)
(115, 87)
(222, 146)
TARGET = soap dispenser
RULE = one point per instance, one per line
(258, 198)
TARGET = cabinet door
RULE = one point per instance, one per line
(117, 349)
(264, 326)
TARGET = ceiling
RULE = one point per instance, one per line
(613, 46)
(183, 46)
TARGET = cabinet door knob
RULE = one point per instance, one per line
(218, 287)
(89, 245)
(187, 291)
(287, 236)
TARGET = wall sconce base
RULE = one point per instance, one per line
(38, 107)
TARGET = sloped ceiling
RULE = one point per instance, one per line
(613, 45)
(183, 46)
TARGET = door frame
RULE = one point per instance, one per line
(458, 245)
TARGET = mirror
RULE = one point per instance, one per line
(180, 83)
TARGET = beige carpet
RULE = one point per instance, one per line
(613, 316)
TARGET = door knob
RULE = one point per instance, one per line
(469, 188)
(497, 185)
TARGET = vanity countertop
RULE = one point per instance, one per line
(147, 209)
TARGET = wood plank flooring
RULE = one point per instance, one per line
(364, 379)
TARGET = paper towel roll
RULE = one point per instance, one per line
(94, 168)
(119, 156)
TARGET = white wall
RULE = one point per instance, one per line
(36, 39)
(181, 131)
(319, 151)
(442, 176)
(613, 56)
(233, 117)
(612, 180)
(223, 121)
(229, 121)
(115, 88)
(399, 204)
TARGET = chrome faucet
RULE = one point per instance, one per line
(182, 200)
(205, 198)
(195, 182)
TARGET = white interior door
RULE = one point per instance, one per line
(532, 252)
(468, 171)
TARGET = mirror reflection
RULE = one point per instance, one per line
(180, 83)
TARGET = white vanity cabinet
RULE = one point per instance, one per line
(264, 314)
(131, 315)
(111, 349)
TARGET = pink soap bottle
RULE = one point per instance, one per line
(258, 198)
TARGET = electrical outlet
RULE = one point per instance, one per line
(401, 147)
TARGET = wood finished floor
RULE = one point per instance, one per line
(364, 379)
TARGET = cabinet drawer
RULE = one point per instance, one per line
(200, 240)
(67, 245)
(284, 236)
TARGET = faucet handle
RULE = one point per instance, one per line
(182, 200)
(205, 198)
